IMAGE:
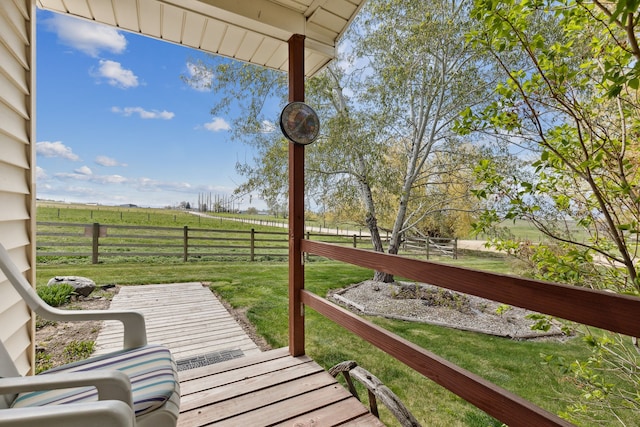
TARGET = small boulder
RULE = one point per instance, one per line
(81, 285)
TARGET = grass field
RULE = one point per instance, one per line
(65, 235)
(50, 211)
(261, 289)
(524, 230)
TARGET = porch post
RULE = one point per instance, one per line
(296, 204)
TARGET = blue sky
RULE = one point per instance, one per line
(115, 123)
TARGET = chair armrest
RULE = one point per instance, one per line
(135, 332)
(106, 413)
(111, 384)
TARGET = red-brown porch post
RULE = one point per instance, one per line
(296, 204)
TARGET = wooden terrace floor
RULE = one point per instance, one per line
(252, 389)
(268, 389)
(185, 317)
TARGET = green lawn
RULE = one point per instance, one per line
(262, 289)
(524, 230)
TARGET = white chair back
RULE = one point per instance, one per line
(7, 366)
(7, 369)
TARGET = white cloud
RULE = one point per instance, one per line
(87, 37)
(217, 124)
(83, 174)
(148, 184)
(200, 77)
(115, 75)
(85, 192)
(111, 179)
(83, 188)
(55, 149)
(84, 170)
(40, 173)
(72, 176)
(108, 161)
(44, 186)
(144, 114)
(267, 126)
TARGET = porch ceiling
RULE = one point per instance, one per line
(254, 31)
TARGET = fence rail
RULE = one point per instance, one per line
(99, 241)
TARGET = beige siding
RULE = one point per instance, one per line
(17, 184)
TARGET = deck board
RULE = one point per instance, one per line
(272, 388)
(258, 389)
(185, 317)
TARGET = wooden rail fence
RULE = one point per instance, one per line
(98, 241)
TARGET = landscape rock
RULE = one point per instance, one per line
(82, 285)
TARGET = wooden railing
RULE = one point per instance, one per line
(616, 313)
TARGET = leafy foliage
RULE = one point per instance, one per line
(568, 97)
(43, 361)
(387, 157)
(556, 99)
(78, 350)
(55, 295)
(421, 66)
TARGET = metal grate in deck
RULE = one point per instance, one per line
(209, 359)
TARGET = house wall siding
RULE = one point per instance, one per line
(17, 172)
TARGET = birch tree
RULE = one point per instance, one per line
(411, 75)
(424, 75)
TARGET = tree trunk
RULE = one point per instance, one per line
(372, 225)
(376, 240)
(381, 276)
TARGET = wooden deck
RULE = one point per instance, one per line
(268, 389)
(252, 389)
(185, 317)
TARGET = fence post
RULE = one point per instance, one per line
(185, 243)
(428, 243)
(95, 243)
(455, 248)
(253, 244)
(355, 243)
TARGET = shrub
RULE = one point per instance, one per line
(41, 323)
(43, 362)
(78, 350)
(55, 295)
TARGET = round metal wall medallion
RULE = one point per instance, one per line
(299, 123)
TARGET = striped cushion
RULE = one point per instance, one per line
(151, 370)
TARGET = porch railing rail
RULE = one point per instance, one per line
(613, 312)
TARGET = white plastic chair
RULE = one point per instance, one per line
(137, 386)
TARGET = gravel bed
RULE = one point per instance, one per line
(472, 313)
